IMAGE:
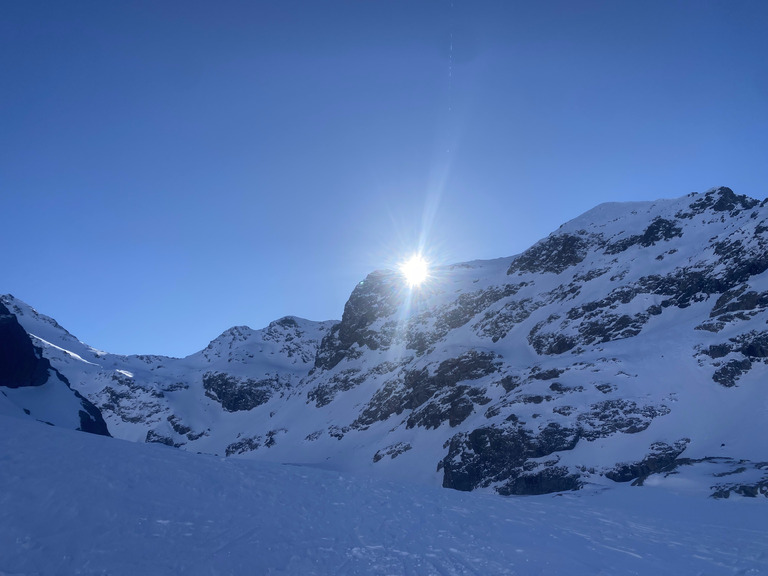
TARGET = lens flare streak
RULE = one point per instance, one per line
(415, 270)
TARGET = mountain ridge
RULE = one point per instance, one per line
(630, 341)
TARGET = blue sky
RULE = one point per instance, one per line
(171, 169)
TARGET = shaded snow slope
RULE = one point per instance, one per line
(79, 504)
(30, 386)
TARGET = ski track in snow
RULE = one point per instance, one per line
(74, 503)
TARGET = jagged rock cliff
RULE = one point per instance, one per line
(30, 385)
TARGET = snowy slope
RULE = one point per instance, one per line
(179, 401)
(30, 387)
(630, 342)
(75, 503)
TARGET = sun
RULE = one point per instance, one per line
(415, 270)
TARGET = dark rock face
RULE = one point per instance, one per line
(658, 231)
(499, 455)
(612, 416)
(483, 456)
(550, 343)
(91, 420)
(367, 321)
(454, 406)
(748, 348)
(182, 429)
(497, 324)
(739, 300)
(236, 394)
(392, 451)
(153, 437)
(748, 490)
(470, 304)
(379, 295)
(550, 374)
(244, 445)
(597, 322)
(742, 261)
(132, 401)
(729, 374)
(331, 350)
(342, 381)
(718, 350)
(660, 457)
(433, 325)
(682, 286)
(287, 331)
(22, 364)
(545, 481)
(249, 444)
(723, 199)
(754, 345)
(589, 323)
(436, 397)
(553, 255)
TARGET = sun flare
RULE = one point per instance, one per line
(415, 270)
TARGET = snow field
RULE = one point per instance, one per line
(73, 503)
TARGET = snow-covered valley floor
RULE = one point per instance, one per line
(74, 503)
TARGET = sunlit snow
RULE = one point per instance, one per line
(64, 350)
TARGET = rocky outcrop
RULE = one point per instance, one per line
(609, 417)
(376, 297)
(503, 456)
(553, 255)
(239, 394)
(433, 398)
(661, 456)
(22, 365)
(721, 199)
(659, 230)
(392, 451)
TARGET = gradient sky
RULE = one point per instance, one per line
(171, 169)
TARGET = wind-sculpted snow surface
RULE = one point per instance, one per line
(630, 343)
(75, 503)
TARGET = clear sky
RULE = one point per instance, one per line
(171, 169)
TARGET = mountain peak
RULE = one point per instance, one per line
(629, 342)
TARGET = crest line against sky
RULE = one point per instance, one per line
(171, 169)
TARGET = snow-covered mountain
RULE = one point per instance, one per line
(629, 342)
(30, 385)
